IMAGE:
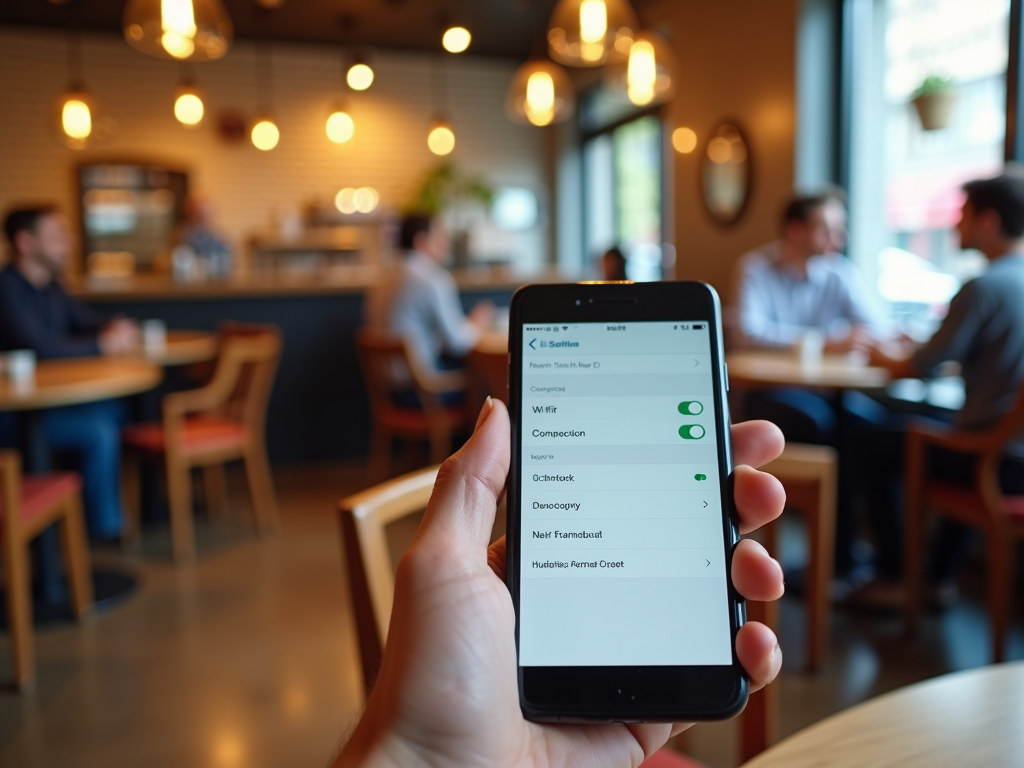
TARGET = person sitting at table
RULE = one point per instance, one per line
(36, 313)
(419, 302)
(983, 331)
(613, 265)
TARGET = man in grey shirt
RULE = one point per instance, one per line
(984, 333)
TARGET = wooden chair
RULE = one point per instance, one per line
(381, 355)
(983, 506)
(492, 369)
(28, 505)
(207, 427)
(370, 566)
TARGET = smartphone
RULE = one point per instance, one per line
(621, 524)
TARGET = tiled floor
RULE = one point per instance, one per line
(247, 658)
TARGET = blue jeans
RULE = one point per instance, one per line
(91, 433)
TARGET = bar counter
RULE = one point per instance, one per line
(318, 410)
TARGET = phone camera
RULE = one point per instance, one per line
(578, 302)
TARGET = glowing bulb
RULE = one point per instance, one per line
(456, 40)
(684, 140)
(178, 46)
(359, 77)
(719, 150)
(340, 127)
(178, 22)
(641, 73)
(76, 119)
(365, 199)
(441, 140)
(188, 108)
(593, 21)
(344, 201)
(540, 98)
(265, 135)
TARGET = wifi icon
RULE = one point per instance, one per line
(565, 327)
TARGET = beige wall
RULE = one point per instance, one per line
(737, 61)
(388, 151)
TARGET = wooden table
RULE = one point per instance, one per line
(767, 367)
(184, 348)
(973, 718)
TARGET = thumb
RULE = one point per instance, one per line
(470, 483)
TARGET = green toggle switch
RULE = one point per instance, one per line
(700, 476)
(691, 408)
(691, 431)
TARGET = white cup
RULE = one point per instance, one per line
(811, 347)
(21, 366)
(154, 335)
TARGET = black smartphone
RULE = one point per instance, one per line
(621, 523)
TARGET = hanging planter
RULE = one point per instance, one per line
(934, 101)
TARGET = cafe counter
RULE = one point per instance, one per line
(319, 410)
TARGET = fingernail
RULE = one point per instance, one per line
(484, 412)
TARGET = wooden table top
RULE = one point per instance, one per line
(967, 718)
(79, 380)
(785, 369)
(184, 348)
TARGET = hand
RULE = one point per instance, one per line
(859, 339)
(447, 692)
(120, 337)
(482, 315)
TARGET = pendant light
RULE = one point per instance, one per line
(76, 118)
(540, 93)
(645, 72)
(456, 39)
(188, 103)
(441, 135)
(582, 33)
(265, 134)
(340, 127)
(360, 75)
(196, 30)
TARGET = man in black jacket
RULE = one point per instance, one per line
(36, 313)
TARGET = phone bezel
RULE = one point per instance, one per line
(628, 694)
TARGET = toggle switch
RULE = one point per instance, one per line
(691, 408)
(691, 431)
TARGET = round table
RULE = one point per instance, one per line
(183, 348)
(766, 367)
(966, 718)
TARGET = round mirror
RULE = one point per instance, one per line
(726, 170)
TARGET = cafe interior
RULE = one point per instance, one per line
(236, 183)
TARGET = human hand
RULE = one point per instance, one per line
(120, 337)
(447, 691)
(482, 315)
(858, 339)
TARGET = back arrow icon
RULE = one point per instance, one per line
(532, 342)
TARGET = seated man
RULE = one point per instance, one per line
(419, 302)
(983, 332)
(37, 314)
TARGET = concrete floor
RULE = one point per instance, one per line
(247, 658)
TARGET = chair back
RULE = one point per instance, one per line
(244, 374)
(365, 518)
(492, 367)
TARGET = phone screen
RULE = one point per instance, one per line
(622, 555)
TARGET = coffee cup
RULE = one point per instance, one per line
(21, 365)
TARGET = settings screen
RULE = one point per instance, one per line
(622, 557)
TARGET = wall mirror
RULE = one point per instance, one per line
(129, 212)
(726, 173)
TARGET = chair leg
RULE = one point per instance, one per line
(758, 721)
(19, 613)
(261, 488)
(179, 492)
(821, 522)
(215, 487)
(1000, 572)
(380, 454)
(76, 558)
(913, 531)
(131, 494)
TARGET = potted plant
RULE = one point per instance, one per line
(447, 190)
(934, 100)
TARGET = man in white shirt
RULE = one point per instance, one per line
(419, 300)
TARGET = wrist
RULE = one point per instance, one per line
(372, 746)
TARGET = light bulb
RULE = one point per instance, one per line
(188, 108)
(178, 22)
(593, 21)
(456, 39)
(540, 98)
(365, 199)
(641, 73)
(582, 33)
(359, 77)
(684, 140)
(265, 135)
(441, 140)
(76, 119)
(340, 127)
(199, 30)
(344, 201)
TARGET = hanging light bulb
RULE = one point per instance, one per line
(340, 126)
(441, 139)
(265, 134)
(197, 30)
(456, 39)
(75, 118)
(644, 72)
(188, 105)
(582, 33)
(540, 93)
(359, 76)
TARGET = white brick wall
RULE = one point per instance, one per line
(388, 150)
